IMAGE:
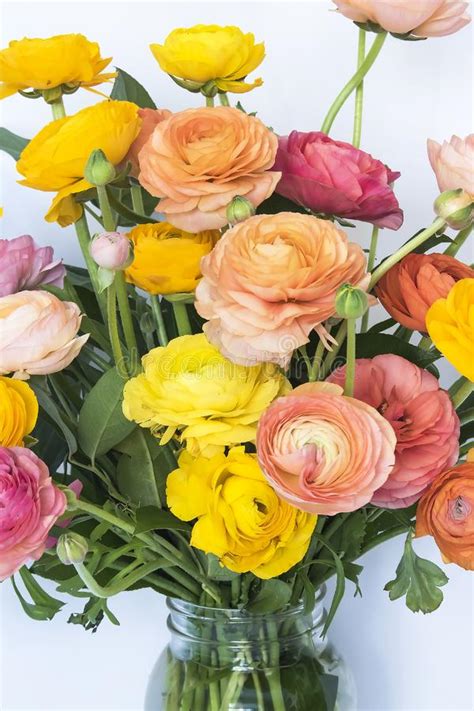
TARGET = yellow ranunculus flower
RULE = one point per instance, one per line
(55, 159)
(240, 517)
(203, 53)
(450, 324)
(189, 386)
(44, 64)
(18, 411)
(166, 259)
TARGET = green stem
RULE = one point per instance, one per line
(58, 109)
(126, 316)
(223, 98)
(137, 198)
(113, 589)
(209, 101)
(113, 325)
(108, 219)
(359, 97)
(182, 319)
(331, 356)
(459, 240)
(84, 238)
(350, 357)
(317, 361)
(410, 246)
(462, 392)
(159, 320)
(354, 82)
(370, 265)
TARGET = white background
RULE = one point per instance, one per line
(416, 90)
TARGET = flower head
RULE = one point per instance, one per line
(240, 518)
(271, 280)
(38, 333)
(446, 512)
(55, 159)
(30, 504)
(410, 287)
(167, 260)
(63, 61)
(324, 452)
(450, 324)
(210, 57)
(111, 250)
(24, 265)
(420, 413)
(453, 163)
(197, 161)
(189, 386)
(423, 18)
(335, 178)
(150, 118)
(18, 411)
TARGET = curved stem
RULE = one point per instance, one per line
(458, 242)
(370, 265)
(353, 82)
(159, 320)
(113, 589)
(410, 246)
(113, 325)
(359, 98)
(223, 98)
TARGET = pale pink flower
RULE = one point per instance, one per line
(111, 250)
(24, 265)
(453, 163)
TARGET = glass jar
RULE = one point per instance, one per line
(231, 659)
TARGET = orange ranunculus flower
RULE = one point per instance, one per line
(198, 160)
(43, 64)
(446, 512)
(150, 118)
(167, 260)
(450, 324)
(410, 287)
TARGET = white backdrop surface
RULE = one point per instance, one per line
(402, 662)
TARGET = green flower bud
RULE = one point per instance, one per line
(99, 170)
(351, 302)
(71, 548)
(456, 207)
(239, 209)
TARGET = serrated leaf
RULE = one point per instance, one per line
(419, 580)
(11, 143)
(151, 518)
(102, 424)
(126, 88)
(273, 595)
(44, 607)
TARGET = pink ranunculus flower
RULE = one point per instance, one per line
(111, 250)
(453, 163)
(150, 119)
(335, 178)
(423, 18)
(24, 265)
(30, 505)
(38, 333)
(270, 281)
(423, 417)
(323, 452)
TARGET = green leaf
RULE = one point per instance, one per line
(102, 423)
(419, 579)
(131, 217)
(382, 326)
(219, 572)
(51, 409)
(273, 595)
(11, 143)
(151, 518)
(309, 593)
(371, 344)
(277, 203)
(126, 88)
(44, 607)
(142, 471)
(347, 541)
(51, 447)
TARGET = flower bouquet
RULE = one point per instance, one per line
(206, 410)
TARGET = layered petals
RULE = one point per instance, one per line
(453, 163)
(24, 266)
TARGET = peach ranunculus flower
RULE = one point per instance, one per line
(38, 333)
(150, 118)
(422, 416)
(450, 325)
(197, 161)
(323, 452)
(271, 280)
(453, 163)
(410, 287)
(422, 18)
(446, 512)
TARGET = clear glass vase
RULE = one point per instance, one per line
(230, 659)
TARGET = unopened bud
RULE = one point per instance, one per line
(99, 170)
(71, 548)
(239, 209)
(351, 302)
(111, 250)
(456, 207)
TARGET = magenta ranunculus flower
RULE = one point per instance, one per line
(423, 417)
(25, 266)
(335, 178)
(30, 504)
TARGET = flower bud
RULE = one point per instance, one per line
(51, 96)
(71, 548)
(111, 250)
(239, 209)
(456, 207)
(99, 170)
(351, 302)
